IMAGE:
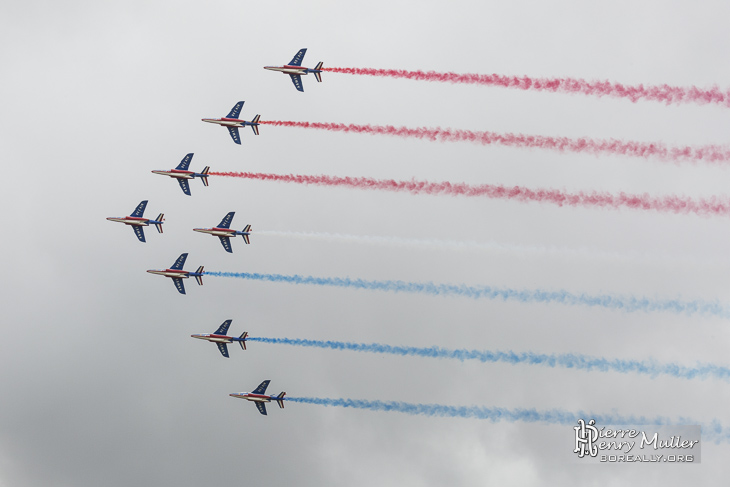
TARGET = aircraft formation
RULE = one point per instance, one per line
(223, 230)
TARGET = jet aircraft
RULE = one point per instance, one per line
(231, 122)
(223, 231)
(295, 69)
(259, 398)
(137, 221)
(182, 174)
(220, 338)
(177, 273)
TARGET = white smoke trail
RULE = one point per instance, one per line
(657, 258)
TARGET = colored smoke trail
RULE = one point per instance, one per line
(666, 94)
(714, 431)
(624, 303)
(659, 258)
(671, 203)
(585, 145)
(569, 361)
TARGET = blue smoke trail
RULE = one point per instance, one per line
(625, 303)
(570, 361)
(714, 431)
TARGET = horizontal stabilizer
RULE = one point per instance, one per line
(243, 339)
(199, 275)
(204, 176)
(280, 399)
(245, 235)
(160, 219)
(317, 71)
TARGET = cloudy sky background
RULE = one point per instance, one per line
(101, 382)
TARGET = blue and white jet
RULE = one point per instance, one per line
(295, 69)
(221, 339)
(177, 274)
(231, 122)
(224, 232)
(182, 174)
(137, 221)
(259, 398)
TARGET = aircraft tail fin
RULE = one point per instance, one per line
(280, 399)
(204, 176)
(160, 219)
(246, 237)
(243, 340)
(199, 275)
(317, 73)
(255, 121)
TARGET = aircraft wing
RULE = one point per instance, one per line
(298, 58)
(223, 329)
(261, 389)
(261, 407)
(180, 262)
(139, 232)
(223, 348)
(236, 110)
(226, 241)
(226, 221)
(184, 186)
(297, 80)
(139, 211)
(234, 134)
(179, 284)
(185, 163)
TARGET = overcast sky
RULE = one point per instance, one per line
(102, 384)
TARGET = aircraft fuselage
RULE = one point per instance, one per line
(290, 69)
(220, 232)
(177, 173)
(212, 337)
(249, 396)
(227, 122)
(131, 220)
(170, 273)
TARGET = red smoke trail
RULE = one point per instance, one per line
(661, 93)
(707, 153)
(671, 203)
